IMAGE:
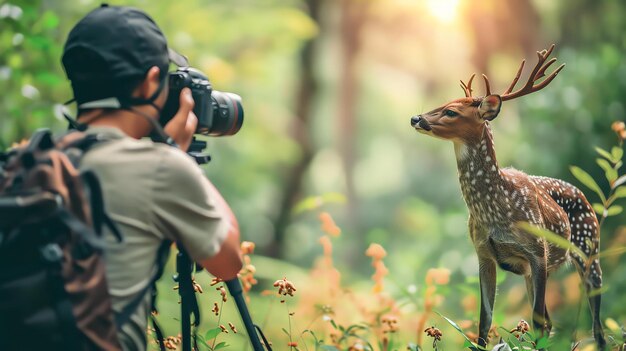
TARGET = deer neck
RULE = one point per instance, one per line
(479, 175)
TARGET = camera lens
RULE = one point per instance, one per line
(227, 113)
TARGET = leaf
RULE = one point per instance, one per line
(604, 153)
(617, 153)
(328, 348)
(614, 210)
(456, 326)
(315, 202)
(285, 331)
(613, 251)
(599, 208)
(332, 322)
(512, 340)
(552, 238)
(220, 345)
(312, 334)
(212, 333)
(619, 181)
(598, 291)
(587, 180)
(620, 192)
(609, 171)
(542, 343)
(613, 325)
(604, 164)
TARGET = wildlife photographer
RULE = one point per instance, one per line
(117, 60)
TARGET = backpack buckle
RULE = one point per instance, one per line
(52, 252)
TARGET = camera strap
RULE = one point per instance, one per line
(158, 134)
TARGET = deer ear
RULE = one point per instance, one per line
(490, 107)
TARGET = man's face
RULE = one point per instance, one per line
(162, 98)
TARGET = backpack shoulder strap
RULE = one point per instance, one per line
(82, 143)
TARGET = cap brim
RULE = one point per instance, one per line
(177, 59)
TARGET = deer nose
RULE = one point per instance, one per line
(415, 120)
(420, 122)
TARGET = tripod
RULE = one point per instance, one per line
(189, 305)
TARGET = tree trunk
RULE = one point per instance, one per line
(353, 17)
(300, 130)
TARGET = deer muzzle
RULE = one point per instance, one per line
(419, 122)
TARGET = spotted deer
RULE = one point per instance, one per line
(499, 198)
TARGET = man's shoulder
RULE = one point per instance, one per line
(119, 150)
(114, 141)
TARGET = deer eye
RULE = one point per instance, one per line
(450, 113)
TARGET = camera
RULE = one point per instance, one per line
(219, 113)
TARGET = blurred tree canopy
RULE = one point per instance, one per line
(328, 89)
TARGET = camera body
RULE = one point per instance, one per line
(219, 113)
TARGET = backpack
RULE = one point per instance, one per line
(53, 289)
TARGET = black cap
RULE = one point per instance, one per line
(113, 44)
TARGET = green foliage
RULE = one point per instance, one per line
(610, 162)
(552, 238)
(315, 202)
(406, 191)
(468, 343)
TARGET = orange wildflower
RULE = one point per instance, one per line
(620, 128)
(328, 224)
(376, 251)
(222, 292)
(247, 247)
(285, 287)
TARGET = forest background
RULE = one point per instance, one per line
(328, 88)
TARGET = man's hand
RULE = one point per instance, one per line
(183, 125)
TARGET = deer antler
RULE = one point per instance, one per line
(467, 88)
(537, 73)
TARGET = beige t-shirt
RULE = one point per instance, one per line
(153, 192)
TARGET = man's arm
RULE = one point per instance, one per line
(189, 210)
(227, 262)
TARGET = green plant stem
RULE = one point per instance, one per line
(219, 319)
(289, 320)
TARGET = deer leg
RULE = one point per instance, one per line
(531, 299)
(487, 277)
(592, 279)
(539, 276)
